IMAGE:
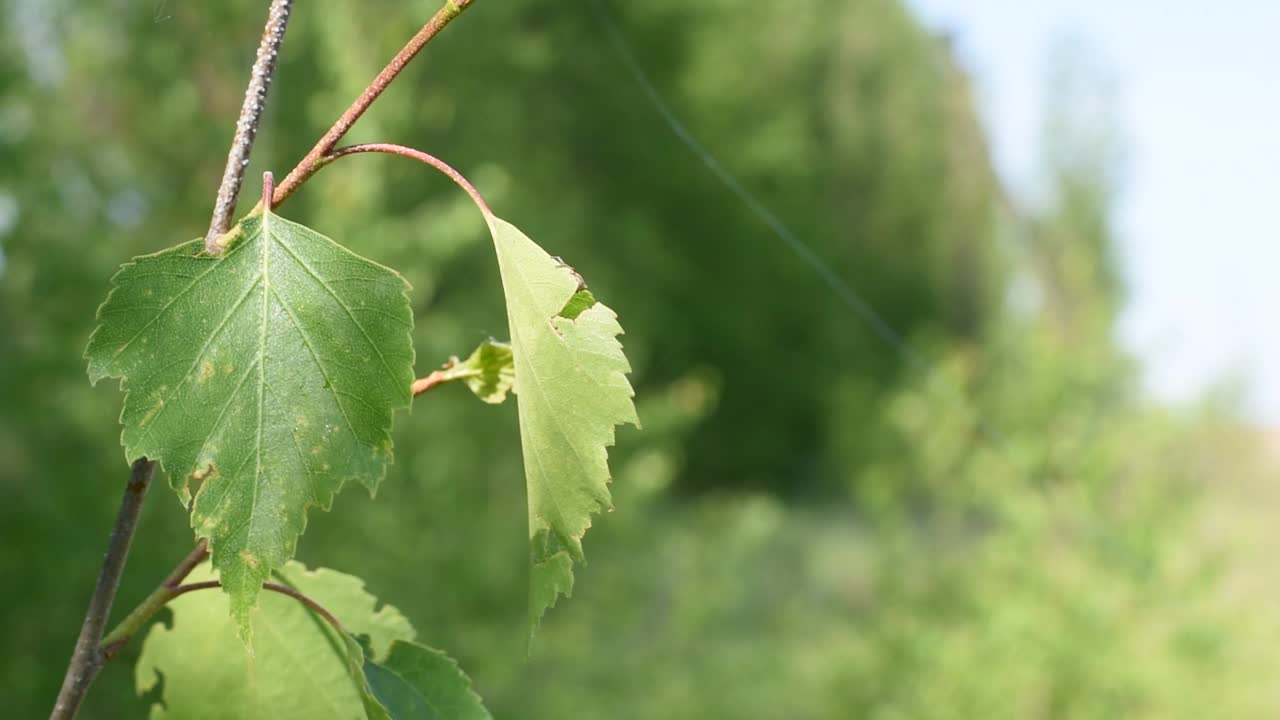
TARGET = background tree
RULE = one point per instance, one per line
(809, 526)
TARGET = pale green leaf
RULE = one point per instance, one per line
(571, 390)
(267, 374)
(299, 668)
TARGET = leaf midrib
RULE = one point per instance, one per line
(265, 261)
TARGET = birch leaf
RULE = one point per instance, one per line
(262, 379)
(571, 391)
(303, 668)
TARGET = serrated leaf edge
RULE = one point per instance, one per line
(234, 243)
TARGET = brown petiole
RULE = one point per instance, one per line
(319, 155)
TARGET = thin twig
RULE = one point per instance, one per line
(255, 99)
(434, 380)
(421, 157)
(90, 653)
(318, 156)
(173, 587)
(192, 587)
(314, 606)
(86, 660)
(198, 555)
(122, 633)
(268, 186)
(448, 372)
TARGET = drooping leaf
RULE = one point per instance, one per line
(571, 390)
(415, 682)
(299, 668)
(267, 375)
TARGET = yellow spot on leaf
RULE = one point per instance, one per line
(146, 419)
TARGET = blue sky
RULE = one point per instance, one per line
(1198, 218)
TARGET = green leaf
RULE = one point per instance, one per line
(415, 682)
(355, 660)
(489, 371)
(299, 668)
(302, 667)
(267, 375)
(580, 301)
(572, 390)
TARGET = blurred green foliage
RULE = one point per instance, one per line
(808, 526)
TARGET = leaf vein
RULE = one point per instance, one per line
(315, 357)
(212, 266)
(363, 331)
(213, 337)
